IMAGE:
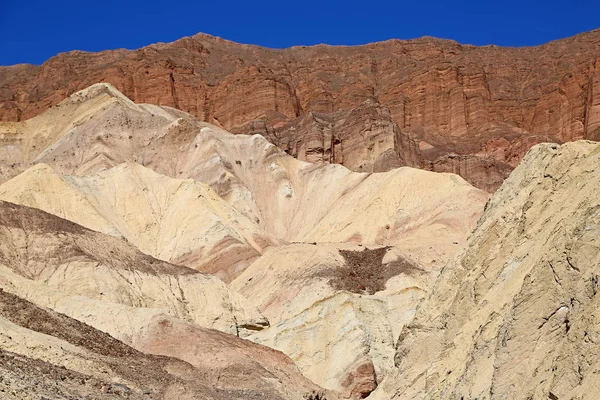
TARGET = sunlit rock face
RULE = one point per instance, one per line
(513, 316)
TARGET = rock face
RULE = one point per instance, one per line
(365, 139)
(458, 108)
(514, 315)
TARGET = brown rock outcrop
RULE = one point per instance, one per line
(472, 110)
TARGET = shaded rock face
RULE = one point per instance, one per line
(365, 139)
(487, 105)
(38, 372)
(515, 315)
(361, 381)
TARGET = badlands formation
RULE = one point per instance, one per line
(116, 303)
(338, 250)
(147, 253)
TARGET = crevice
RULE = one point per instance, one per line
(594, 284)
(173, 90)
(546, 319)
(556, 278)
(571, 265)
(589, 99)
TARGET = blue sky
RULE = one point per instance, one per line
(33, 31)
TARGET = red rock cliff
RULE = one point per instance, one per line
(431, 103)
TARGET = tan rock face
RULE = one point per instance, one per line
(514, 315)
(487, 105)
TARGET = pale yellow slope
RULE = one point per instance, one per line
(427, 215)
(52, 261)
(44, 354)
(339, 325)
(153, 306)
(174, 220)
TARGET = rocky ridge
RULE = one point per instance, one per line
(48, 355)
(513, 316)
